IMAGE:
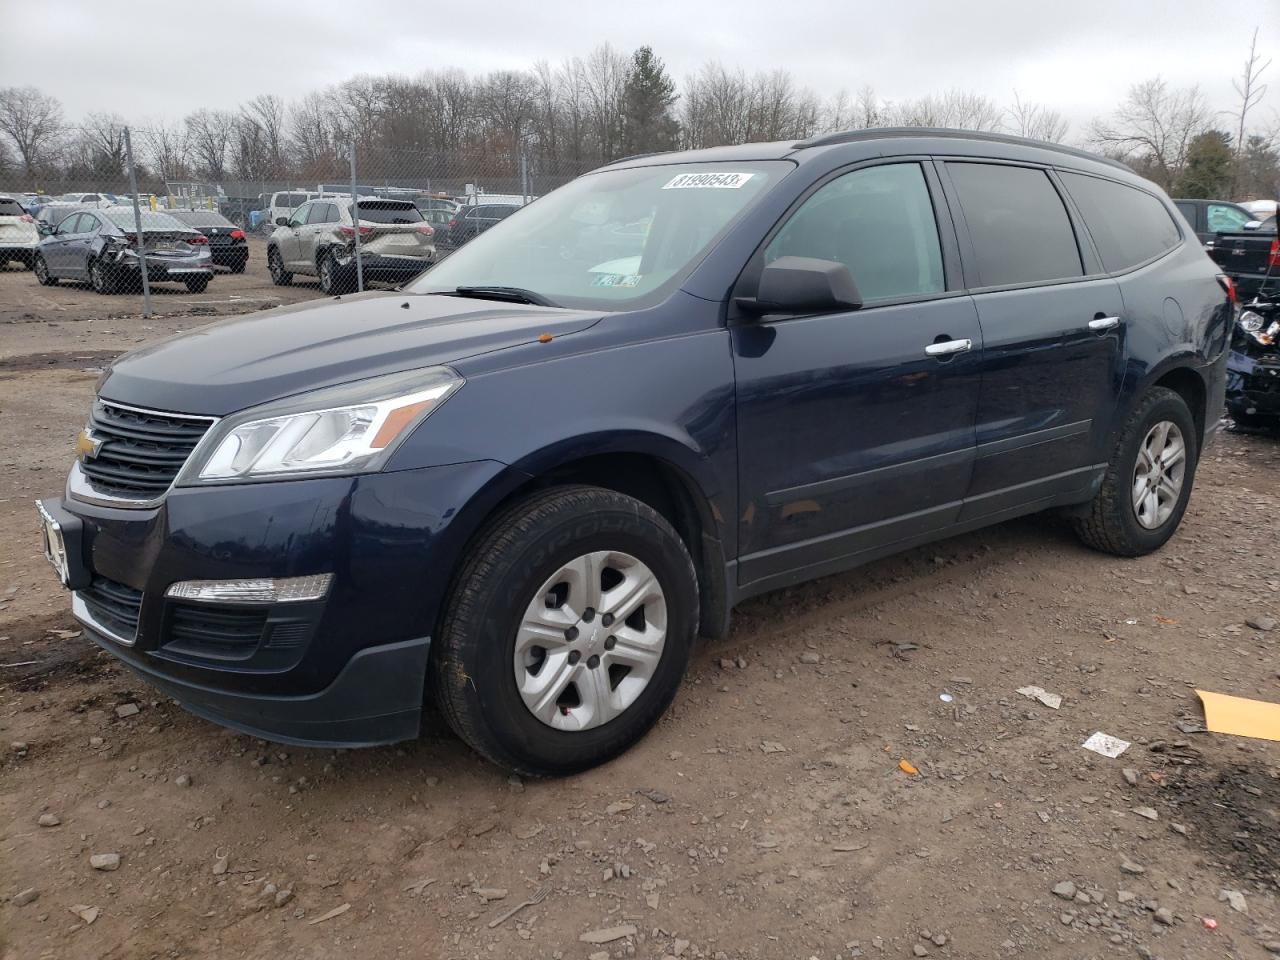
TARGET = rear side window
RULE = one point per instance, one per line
(1018, 225)
(319, 213)
(879, 223)
(1129, 226)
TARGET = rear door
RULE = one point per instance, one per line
(1053, 331)
(851, 435)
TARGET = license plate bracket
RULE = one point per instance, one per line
(62, 538)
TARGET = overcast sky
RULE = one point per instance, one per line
(149, 60)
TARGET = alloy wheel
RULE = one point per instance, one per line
(1158, 474)
(590, 640)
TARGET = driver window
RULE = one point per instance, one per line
(299, 216)
(879, 223)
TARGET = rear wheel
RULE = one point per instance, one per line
(102, 278)
(567, 632)
(334, 280)
(238, 266)
(1145, 490)
(42, 271)
(275, 266)
(197, 283)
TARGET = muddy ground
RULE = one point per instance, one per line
(767, 816)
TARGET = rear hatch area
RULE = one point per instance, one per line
(395, 228)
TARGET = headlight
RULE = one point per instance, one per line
(352, 428)
(1250, 322)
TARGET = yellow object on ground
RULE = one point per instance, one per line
(1240, 717)
(908, 768)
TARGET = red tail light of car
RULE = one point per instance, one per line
(198, 239)
(453, 222)
(427, 230)
(1228, 287)
(27, 218)
(237, 234)
(351, 231)
(1274, 260)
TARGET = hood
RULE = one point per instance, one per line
(245, 361)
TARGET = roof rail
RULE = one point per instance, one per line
(880, 133)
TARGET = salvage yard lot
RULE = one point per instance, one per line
(767, 816)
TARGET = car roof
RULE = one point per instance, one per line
(873, 142)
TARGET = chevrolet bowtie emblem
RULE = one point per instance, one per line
(87, 445)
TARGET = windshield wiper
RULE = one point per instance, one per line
(510, 294)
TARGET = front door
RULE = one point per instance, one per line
(56, 249)
(1053, 337)
(852, 433)
(287, 242)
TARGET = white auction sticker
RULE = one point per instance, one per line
(718, 181)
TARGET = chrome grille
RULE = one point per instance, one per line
(140, 451)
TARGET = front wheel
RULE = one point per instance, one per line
(275, 266)
(568, 631)
(1148, 482)
(42, 272)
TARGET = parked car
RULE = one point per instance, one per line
(282, 203)
(227, 244)
(53, 213)
(101, 246)
(396, 243)
(88, 199)
(1209, 217)
(18, 233)
(524, 485)
(1253, 366)
(467, 223)
(1251, 259)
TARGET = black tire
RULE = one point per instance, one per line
(275, 266)
(1111, 523)
(42, 272)
(334, 280)
(197, 282)
(1253, 421)
(102, 278)
(238, 266)
(472, 677)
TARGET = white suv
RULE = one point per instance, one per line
(319, 239)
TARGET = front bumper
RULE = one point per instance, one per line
(346, 670)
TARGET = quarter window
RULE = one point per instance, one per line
(879, 223)
(1129, 226)
(1017, 223)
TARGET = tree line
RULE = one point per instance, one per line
(572, 116)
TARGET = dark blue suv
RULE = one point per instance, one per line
(523, 486)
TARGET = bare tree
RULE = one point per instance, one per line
(209, 135)
(266, 113)
(33, 121)
(958, 109)
(1154, 126)
(1035, 120)
(1250, 91)
(165, 145)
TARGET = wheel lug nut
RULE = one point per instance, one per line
(607, 619)
(574, 657)
(587, 615)
(571, 634)
(592, 662)
(610, 642)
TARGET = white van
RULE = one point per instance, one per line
(282, 204)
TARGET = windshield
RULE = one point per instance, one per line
(617, 239)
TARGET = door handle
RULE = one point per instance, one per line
(947, 347)
(1102, 324)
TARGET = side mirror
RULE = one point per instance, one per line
(282, 221)
(1253, 225)
(44, 229)
(803, 285)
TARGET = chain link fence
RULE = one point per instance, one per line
(82, 223)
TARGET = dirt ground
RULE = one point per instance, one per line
(768, 815)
